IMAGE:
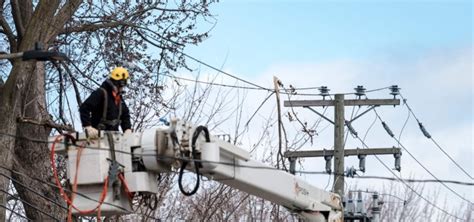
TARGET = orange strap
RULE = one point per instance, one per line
(116, 97)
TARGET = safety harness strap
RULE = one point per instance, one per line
(103, 120)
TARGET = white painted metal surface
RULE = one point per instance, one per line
(142, 182)
(157, 150)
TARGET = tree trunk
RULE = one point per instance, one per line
(10, 101)
(23, 95)
(33, 157)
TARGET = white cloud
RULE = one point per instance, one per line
(438, 86)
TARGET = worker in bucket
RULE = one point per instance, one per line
(105, 109)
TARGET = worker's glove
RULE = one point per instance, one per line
(91, 132)
(127, 131)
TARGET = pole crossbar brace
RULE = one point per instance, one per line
(349, 102)
(321, 115)
(347, 152)
(357, 117)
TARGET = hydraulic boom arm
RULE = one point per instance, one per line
(141, 156)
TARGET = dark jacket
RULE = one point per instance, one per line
(92, 110)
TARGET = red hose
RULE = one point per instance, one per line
(66, 198)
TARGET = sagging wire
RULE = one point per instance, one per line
(165, 158)
(30, 205)
(427, 135)
(389, 131)
(16, 213)
(404, 125)
(54, 185)
(407, 185)
(33, 191)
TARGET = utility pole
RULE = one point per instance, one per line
(339, 123)
(339, 144)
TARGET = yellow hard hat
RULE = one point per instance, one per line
(119, 73)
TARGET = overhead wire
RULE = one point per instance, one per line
(54, 186)
(271, 168)
(411, 180)
(257, 87)
(380, 194)
(211, 83)
(370, 127)
(166, 158)
(404, 125)
(70, 191)
(407, 185)
(33, 191)
(223, 72)
(29, 205)
(434, 141)
(255, 113)
(16, 213)
(419, 163)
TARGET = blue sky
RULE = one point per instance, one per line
(256, 34)
(425, 47)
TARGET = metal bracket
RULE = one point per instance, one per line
(115, 169)
(321, 115)
(366, 111)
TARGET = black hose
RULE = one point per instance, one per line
(197, 164)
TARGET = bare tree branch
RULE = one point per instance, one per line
(47, 123)
(7, 30)
(92, 27)
(64, 14)
(20, 27)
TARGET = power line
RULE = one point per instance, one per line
(29, 204)
(166, 158)
(419, 163)
(33, 191)
(54, 186)
(380, 194)
(246, 81)
(406, 184)
(255, 113)
(389, 178)
(223, 72)
(268, 168)
(75, 192)
(204, 63)
(433, 140)
(212, 83)
(333, 94)
(16, 213)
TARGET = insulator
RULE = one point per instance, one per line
(394, 90)
(422, 128)
(350, 208)
(164, 121)
(351, 172)
(360, 91)
(351, 129)
(324, 91)
(398, 158)
(389, 131)
(292, 165)
(328, 164)
(361, 162)
(360, 207)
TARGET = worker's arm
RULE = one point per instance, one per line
(125, 118)
(92, 104)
